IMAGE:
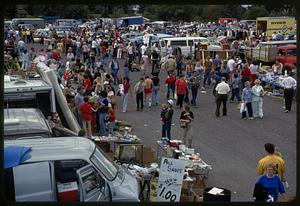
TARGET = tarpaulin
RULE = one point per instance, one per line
(15, 155)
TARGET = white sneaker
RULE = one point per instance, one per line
(251, 118)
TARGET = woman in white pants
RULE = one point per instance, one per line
(257, 99)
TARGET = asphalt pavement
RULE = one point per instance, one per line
(232, 146)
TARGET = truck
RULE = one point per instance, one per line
(269, 25)
(287, 56)
(22, 123)
(268, 52)
(72, 169)
(38, 23)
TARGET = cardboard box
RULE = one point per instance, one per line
(149, 155)
(187, 198)
(68, 192)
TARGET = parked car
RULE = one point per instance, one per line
(51, 166)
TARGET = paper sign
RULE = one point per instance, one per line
(215, 191)
(170, 180)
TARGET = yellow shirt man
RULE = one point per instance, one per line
(275, 159)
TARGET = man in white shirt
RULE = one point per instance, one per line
(222, 90)
(289, 84)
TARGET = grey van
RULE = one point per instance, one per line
(73, 160)
(21, 123)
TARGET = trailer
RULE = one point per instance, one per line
(270, 25)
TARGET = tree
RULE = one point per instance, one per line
(10, 12)
(254, 12)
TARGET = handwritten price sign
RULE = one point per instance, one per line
(170, 180)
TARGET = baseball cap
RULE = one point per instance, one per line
(170, 101)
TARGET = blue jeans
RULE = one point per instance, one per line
(115, 74)
(125, 101)
(102, 129)
(103, 57)
(172, 88)
(235, 93)
(166, 130)
(111, 128)
(194, 95)
(126, 72)
(154, 95)
(207, 77)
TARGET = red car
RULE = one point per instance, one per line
(287, 55)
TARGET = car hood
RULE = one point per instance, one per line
(127, 189)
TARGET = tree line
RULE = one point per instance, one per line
(153, 12)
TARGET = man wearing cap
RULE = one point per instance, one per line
(222, 90)
(167, 121)
(289, 84)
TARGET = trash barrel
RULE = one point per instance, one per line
(207, 197)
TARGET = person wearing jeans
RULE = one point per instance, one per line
(235, 88)
(181, 90)
(139, 91)
(103, 113)
(247, 99)
(194, 82)
(167, 121)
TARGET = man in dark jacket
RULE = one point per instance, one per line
(167, 121)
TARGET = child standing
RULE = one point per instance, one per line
(112, 119)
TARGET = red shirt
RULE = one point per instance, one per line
(126, 87)
(181, 86)
(246, 73)
(88, 84)
(111, 115)
(170, 80)
(86, 111)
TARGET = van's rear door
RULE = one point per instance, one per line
(93, 187)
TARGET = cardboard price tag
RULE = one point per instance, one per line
(170, 180)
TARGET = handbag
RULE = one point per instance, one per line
(183, 124)
(243, 107)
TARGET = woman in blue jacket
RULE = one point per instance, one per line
(271, 183)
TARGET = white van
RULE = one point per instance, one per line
(186, 44)
(64, 169)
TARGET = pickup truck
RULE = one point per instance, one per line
(287, 56)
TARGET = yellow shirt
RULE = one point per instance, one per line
(272, 158)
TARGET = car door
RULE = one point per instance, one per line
(93, 188)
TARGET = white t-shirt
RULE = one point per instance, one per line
(94, 44)
(253, 69)
(143, 49)
(230, 64)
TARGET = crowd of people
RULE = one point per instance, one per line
(94, 70)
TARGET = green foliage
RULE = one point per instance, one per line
(164, 12)
(255, 11)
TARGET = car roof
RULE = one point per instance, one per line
(51, 149)
(20, 85)
(18, 121)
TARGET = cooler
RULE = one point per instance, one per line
(68, 192)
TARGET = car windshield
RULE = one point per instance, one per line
(291, 52)
(108, 168)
